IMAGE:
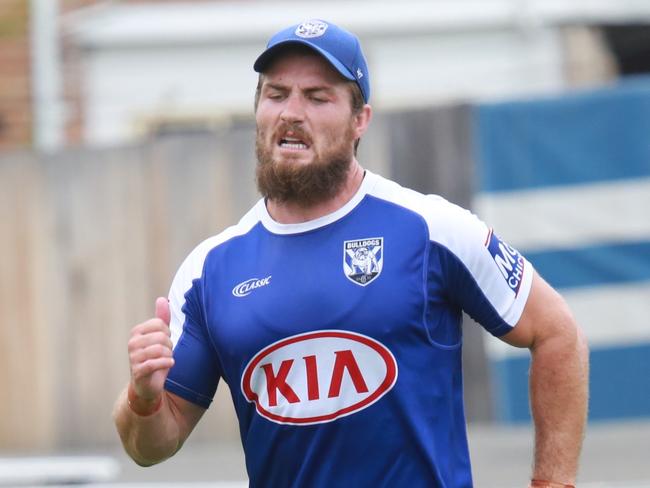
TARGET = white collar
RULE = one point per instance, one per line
(369, 181)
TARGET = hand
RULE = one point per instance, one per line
(150, 354)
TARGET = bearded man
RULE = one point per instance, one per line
(336, 380)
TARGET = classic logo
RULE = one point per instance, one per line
(318, 377)
(246, 287)
(311, 28)
(363, 259)
(507, 259)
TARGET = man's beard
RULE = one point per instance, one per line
(304, 184)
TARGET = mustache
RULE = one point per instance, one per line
(295, 128)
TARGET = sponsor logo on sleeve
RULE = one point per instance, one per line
(319, 376)
(508, 260)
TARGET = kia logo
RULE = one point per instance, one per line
(318, 377)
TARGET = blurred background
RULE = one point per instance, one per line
(126, 138)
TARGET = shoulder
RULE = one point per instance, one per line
(191, 270)
(192, 266)
(448, 224)
(489, 279)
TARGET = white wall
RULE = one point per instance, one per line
(469, 65)
(145, 62)
(127, 88)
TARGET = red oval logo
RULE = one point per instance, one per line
(318, 376)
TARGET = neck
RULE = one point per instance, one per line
(293, 213)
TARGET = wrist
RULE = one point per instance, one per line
(535, 483)
(142, 406)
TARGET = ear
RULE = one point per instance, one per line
(362, 121)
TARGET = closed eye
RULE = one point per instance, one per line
(318, 95)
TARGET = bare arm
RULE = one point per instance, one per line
(154, 438)
(559, 377)
(152, 423)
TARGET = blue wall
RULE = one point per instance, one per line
(567, 142)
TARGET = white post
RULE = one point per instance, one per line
(47, 106)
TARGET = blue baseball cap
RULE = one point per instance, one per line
(340, 47)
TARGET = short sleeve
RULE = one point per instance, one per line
(196, 372)
(481, 273)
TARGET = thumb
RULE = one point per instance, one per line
(162, 309)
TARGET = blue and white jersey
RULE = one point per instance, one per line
(340, 338)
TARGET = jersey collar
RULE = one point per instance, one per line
(271, 225)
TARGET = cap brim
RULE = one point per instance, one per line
(262, 62)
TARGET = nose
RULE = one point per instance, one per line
(293, 110)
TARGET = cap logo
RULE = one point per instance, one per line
(359, 73)
(311, 28)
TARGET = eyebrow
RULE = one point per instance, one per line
(311, 89)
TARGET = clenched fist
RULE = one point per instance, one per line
(150, 356)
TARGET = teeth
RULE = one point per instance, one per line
(293, 145)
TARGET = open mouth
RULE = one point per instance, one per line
(292, 143)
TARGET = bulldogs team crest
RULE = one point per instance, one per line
(363, 259)
(311, 28)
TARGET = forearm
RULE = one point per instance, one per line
(559, 394)
(147, 439)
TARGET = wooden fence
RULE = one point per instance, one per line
(88, 239)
